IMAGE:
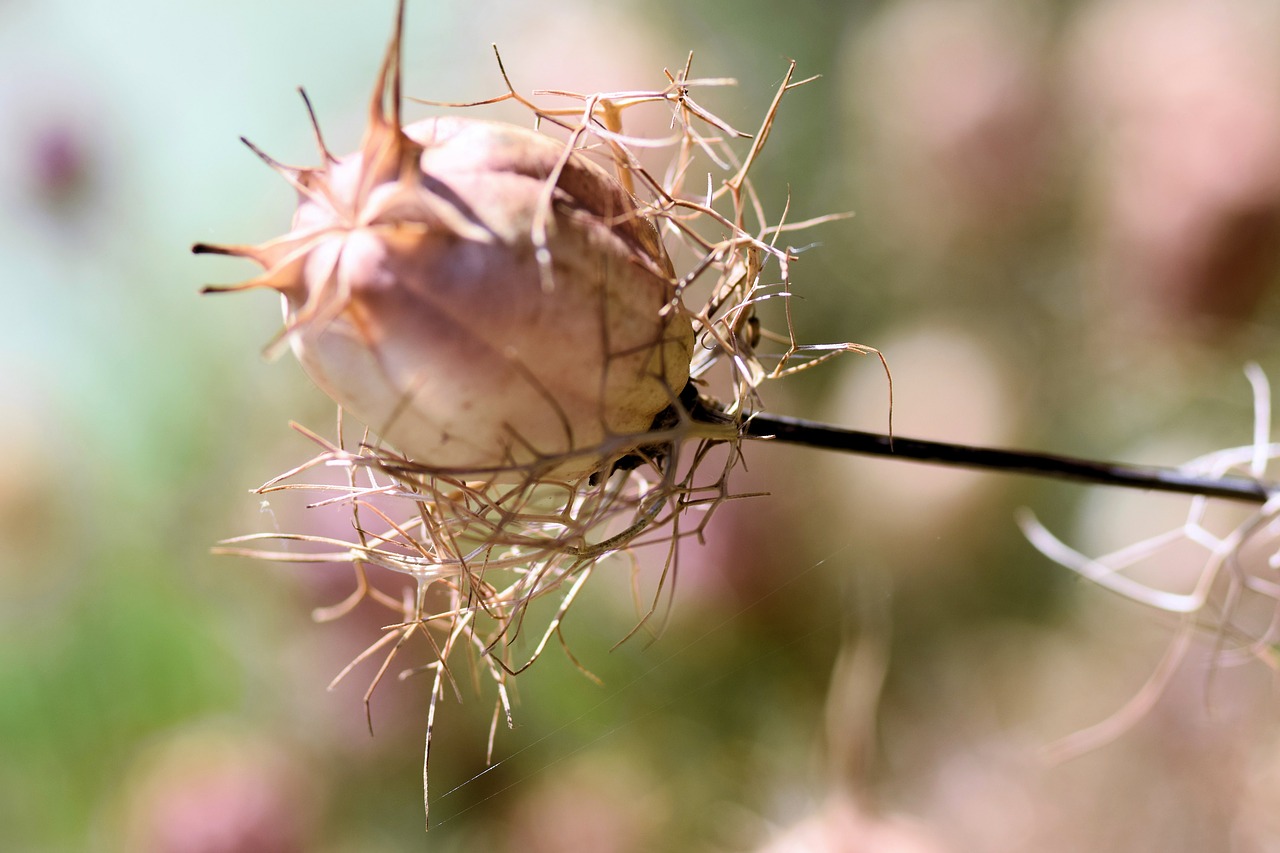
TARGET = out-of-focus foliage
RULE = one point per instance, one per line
(1068, 219)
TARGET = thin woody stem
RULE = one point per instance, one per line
(827, 437)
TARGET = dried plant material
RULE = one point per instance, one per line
(506, 317)
(1235, 596)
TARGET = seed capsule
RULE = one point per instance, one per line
(481, 298)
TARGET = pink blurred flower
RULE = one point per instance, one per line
(219, 792)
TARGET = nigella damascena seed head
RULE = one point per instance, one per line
(478, 294)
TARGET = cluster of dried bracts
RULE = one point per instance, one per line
(498, 305)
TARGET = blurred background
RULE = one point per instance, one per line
(1067, 237)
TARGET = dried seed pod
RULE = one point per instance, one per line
(480, 296)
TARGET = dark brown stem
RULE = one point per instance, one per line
(827, 437)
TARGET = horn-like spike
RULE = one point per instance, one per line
(266, 255)
(325, 153)
(212, 249)
(265, 281)
(388, 83)
(252, 284)
(290, 172)
(257, 254)
(296, 176)
(398, 74)
(387, 153)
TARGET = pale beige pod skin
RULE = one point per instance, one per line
(416, 296)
